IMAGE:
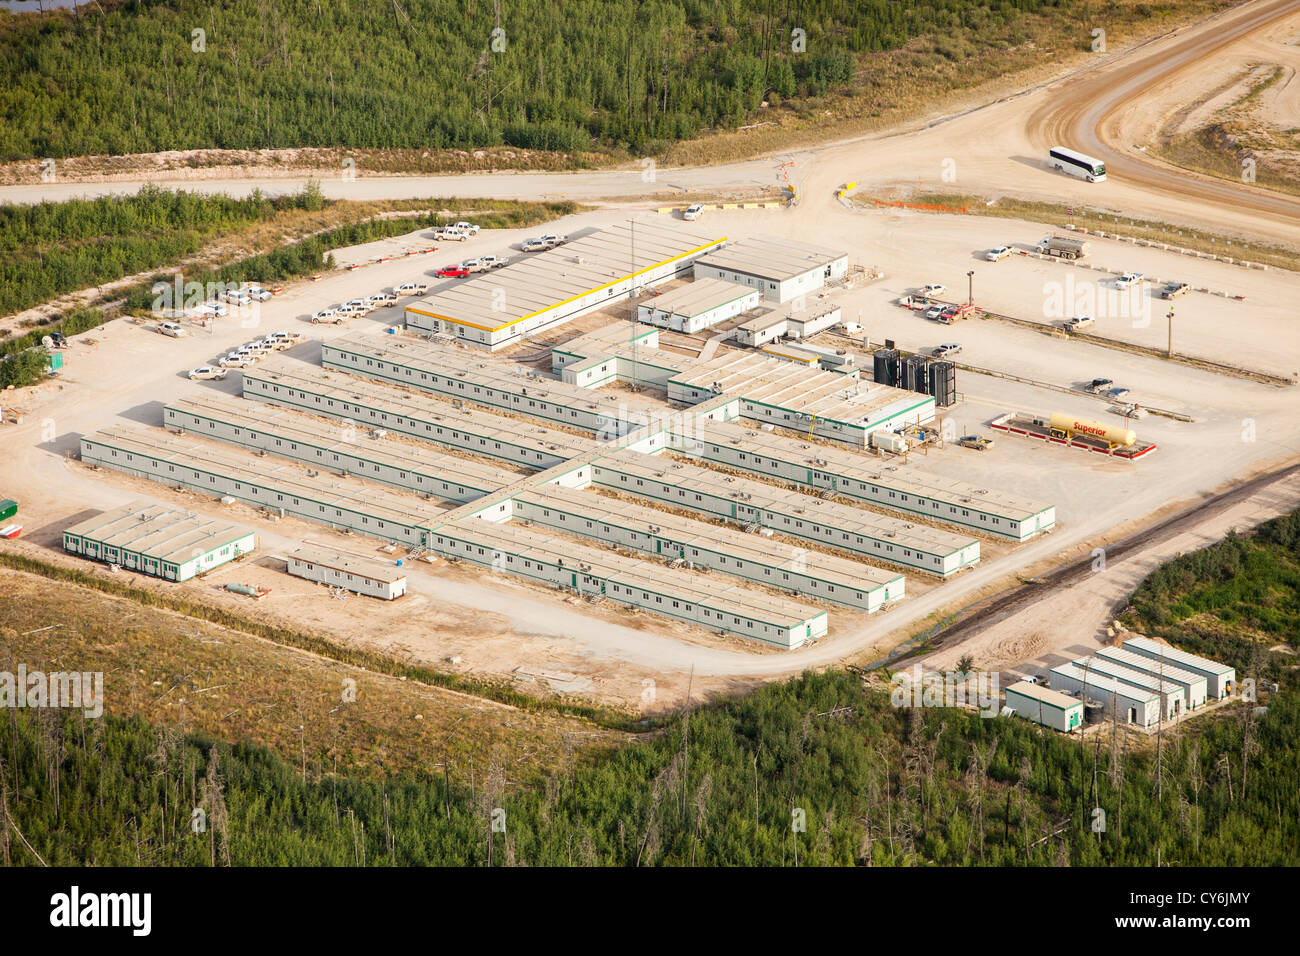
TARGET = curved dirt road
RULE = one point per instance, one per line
(1089, 113)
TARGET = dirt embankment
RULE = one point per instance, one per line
(208, 164)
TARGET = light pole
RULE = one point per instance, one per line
(1170, 349)
(970, 287)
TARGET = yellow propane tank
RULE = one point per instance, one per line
(1081, 426)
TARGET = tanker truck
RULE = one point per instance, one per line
(1067, 426)
(1064, 247)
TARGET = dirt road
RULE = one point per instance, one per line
(997, 149)
(1095, 113)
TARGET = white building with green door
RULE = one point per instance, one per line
(155, 539)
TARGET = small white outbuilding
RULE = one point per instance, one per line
(361, 575)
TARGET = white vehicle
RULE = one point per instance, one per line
(237, 297)
(1077, 164)
(258, 346)
(258, 293)
(1128, 280)
(172, 329)
(534, 245)
(491, 261)
(553, 240)
(412, 288)
(935, 311)
(205, 372)
(237, 360)
(466, 227)
(365, 306)
(293, 338)
(324, 315)
(997, 253)
(210, 308)
(474, 265)
(933, 288)
(453, 235)
(1079, 322)
(693, 212)
(382, 299)
(948, 348)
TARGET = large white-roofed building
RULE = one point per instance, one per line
(542, 290)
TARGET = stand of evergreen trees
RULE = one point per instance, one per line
(815, 771)
(138, 77)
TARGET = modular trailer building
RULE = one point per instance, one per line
(781, 269)
(865, 479)
(690, 543)
(1193, 685)
(403, 464)
(347, 504)
(1219, 678)
(831, 405)
(336, 569)
(291, 384)
(1045, 706)
(697, 305)
(418, 364)
(637, 583)
(542, 290)
(1171, 694)
(155, 539)
(1125, 702)
(753, 503)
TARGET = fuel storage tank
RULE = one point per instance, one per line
(1068, 424)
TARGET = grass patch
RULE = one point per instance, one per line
(499, 691)
(1112, 223)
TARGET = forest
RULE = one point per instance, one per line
(1232, 602)
(820, 770)
(141, 76)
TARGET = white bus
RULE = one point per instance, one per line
(1077, 164)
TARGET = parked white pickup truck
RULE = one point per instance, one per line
(466, 227)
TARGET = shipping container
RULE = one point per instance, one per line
(8, 508)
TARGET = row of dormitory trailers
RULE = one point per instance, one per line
(1141, 683)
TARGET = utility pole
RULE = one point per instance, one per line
(1169, 352)
(970, 287)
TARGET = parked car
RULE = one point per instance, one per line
(293, 338)
(211, 308)
(933, 289)
(1174, 290)
(474, 265)
(412, 288)
(257, 293)
(947, 349)
(452, 272)
(1079, 322)
(978, 442)
(385, 299)
(172, 329)
(1128, 280)
(205, 372)
(453, 235)
(492, 262)
(934, 311)
(466, 227)
(237, 297)
(534, 245)
(237, 360)
(693, 212)
(1098, 385)
(1118, 393)
(364, 306)
(998, 252)
(553, 240)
